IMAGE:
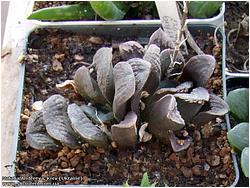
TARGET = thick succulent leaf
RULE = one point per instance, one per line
(36, 134)
(124, 88)
(91, 112)
(214, 108)
(178, 144)
(165, 59)
(238, 101)
(204, 9)
(104, 68)
(161, 39)
(244, 161)
(144, 136)
(65, 12)
(87, 86)
(163, 116)
(182, 88)
(238, 136)
(131, 49)
(152, 55)
(125, 133)
(141, 70)
(57, 122)
(85, 128)
(189, 104)
(109, 10)
(198, 69)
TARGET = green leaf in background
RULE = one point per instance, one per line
(109, 10)
(244, 161)
(238, 136)
(66, 12)
(145, 181)
(126, 184)
(238, 101)
(203, 9)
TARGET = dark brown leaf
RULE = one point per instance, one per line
(131, 49)
(57, 122)
(182, 88)
(104, 68)
(36, 134)
(125, 133)
(165, 59)
(87, 86)
(190, 104)
(215, 107)
(199, 69)
(85, 128)
(141, 70)
(161, 39)
(152, 55)
(124, 88)
(163, 116)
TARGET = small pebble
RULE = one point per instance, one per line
(95, 156)
(186, 172)
(95, 40)
(64, 165)
(57, 65)
(38, 105)
(100, 150)
(113, 144)
(213, 160)
(26, 112)
(206, 167)
(74, 161)
(197, 169)
(78, 57)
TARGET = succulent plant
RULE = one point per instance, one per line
(127, 101)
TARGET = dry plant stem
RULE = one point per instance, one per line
(181, 31)
(215, 33)
(228, 36)
(245, 64)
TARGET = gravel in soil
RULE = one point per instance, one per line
(207, 162)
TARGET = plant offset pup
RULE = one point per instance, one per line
(128, 104)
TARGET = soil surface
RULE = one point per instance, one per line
(237, 43)
(145, 10)
(52, 57)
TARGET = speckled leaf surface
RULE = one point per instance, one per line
(104, 68)
(124, 88)
(141, 70)
(163, 116)
(36, 134)
(161, 39)
(165, 59)
(214, 108)
(85, 128)
(57, 122)
(198, 69)
(87, 86)
(182, 88)
(125, 133)
(189, 104)
(131, 49)
(152, 55)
